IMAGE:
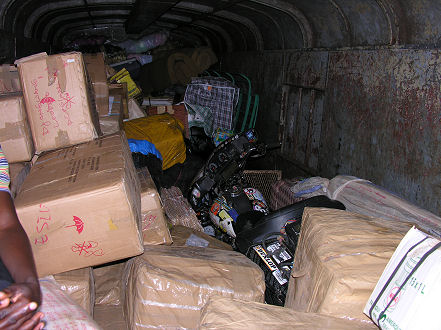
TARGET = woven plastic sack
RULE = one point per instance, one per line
(60, 311)
(164, 131)
(178, 209)
(364, 197)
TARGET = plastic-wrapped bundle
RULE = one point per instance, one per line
(145, 43)
(79, 285)
(364, 197)
(166, 287)
(227, 313)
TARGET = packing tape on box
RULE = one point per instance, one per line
(12, 131)
(5, 76)
(62, 138)
(55, 69)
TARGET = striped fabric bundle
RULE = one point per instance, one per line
(4, 172)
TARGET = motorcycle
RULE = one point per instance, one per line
(231, 210)
(219, 193)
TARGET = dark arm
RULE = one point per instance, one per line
(15, 250)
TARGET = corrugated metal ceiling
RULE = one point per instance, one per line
(230, 25)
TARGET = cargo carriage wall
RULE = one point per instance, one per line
(372, 113)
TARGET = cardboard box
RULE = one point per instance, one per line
(58, 100)
(17, 174)
(184, 236)
(110, 124)
(80, 206)
(154, 228)
(407, 293)
(167, 286)
(153, 222)
(120, 94)
(227, 313)
(9, 79)
(15, 134)
(338, 261)
(113, 121)
(79, 285)
(97, 72)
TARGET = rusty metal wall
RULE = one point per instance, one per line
(375, 114)
(383, 121)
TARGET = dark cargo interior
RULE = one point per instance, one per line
(362, 73)
(334, 106)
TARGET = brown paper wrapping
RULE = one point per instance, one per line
(234, 314)
(338, 261)
(108, 310)
(167, 286)
(108, 284)
(110, 317)
(79, 285)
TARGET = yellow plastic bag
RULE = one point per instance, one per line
(164, 131)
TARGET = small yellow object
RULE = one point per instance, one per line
(124, 76)
(112, 226)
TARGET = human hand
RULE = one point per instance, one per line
(18, 304)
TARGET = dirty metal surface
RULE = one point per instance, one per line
(265, 71)
(301, 125)
(302, 107)
(306, 69)
(383, 119)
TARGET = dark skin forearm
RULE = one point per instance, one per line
(15, 249)
(20, 300)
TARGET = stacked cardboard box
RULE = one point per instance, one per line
(153, 222)
(80, 206)
(58, 100)
(9, 79)
(97, 72)
(18, 173)
(15, 135)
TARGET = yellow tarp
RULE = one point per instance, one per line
(164, 131)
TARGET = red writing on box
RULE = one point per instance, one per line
(87, 249)
(147, 221)
(42, 224)
(53, 107)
